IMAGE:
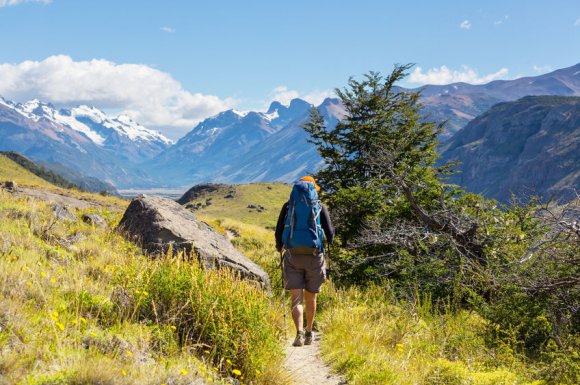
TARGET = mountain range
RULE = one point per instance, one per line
(232, 146)
(81, 141)
(525, 148)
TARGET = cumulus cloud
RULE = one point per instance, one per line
(465, 24)
(149, 96)
(168, 29)
(284, 95)
(443, 75)
(7, 3)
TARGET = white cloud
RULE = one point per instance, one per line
(168, 29)
(542, 69)
(284, 95)
(7, 3)
(149, 96)
(443, 75)
(465, 24)
(577, 22)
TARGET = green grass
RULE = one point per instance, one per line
(12, 171)
(81, 305)
(271, 196)
(374, 339)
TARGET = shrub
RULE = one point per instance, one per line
(213, 312)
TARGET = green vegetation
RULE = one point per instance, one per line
(10, 170)
(515, 267)
(41, 172)
(81, 305)
(376, 339)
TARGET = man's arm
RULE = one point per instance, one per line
(280, 226)
(326, 224)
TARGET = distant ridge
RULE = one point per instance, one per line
(526, 147)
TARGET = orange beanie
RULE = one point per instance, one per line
(310, 179)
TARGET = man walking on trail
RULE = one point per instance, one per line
(303, 226)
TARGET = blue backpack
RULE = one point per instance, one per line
(302, 227)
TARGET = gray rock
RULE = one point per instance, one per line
(95, 220)
(62, 213)
(156, 223)
(10, 185)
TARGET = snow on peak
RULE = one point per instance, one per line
(91, 121)
(271, 115)
(241, 114)
(124, 125)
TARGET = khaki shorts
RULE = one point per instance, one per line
(304, 271)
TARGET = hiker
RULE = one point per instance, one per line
(303, 226)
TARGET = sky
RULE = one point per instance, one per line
(171, 63)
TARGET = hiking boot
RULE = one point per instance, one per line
(299, 340)
(308, 338)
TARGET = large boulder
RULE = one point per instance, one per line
(155, 223)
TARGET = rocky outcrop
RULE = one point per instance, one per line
(155, 223)
(527, 147)
(201, 190)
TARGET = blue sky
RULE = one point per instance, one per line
(171, 63)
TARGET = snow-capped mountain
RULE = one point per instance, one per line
(284, 156)
(213, 143)
(83, 140)
(120, 134)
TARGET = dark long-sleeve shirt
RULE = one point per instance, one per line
(324, 222)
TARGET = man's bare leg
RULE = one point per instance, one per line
(296, 297)
(310, 299)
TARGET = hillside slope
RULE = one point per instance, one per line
(527, 147)
(256, 203)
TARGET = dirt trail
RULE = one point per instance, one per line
(306, 366)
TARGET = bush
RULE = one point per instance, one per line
(213, 312)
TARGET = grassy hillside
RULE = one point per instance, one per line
(81, 305)
(41, 172)
(12, 171)
(232, 201)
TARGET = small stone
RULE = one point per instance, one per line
(95, 220)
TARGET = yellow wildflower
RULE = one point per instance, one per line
(229, 361)
(124, 373)
(43, 274)
(128, 353)
(236, 372)
(183, 372)
(59, 325)
(83, 320)
(52, 280)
